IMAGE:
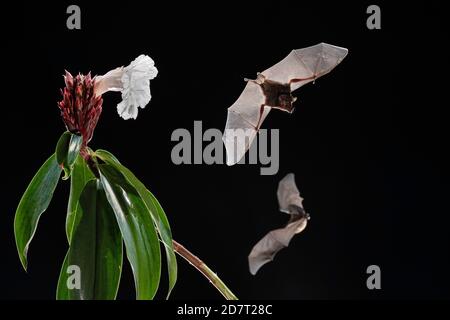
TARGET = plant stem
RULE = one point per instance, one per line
(203, 268)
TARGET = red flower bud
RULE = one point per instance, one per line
(80, 107)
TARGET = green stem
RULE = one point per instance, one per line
(203, 268)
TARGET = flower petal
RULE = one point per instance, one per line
(111, 81)
(136, 86)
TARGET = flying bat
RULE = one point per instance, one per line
(290, 202)
(273, 89)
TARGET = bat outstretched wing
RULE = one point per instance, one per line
(302, 66)
(243, 121)
(265, 250)
(288, 193)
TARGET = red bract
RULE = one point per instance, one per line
(80, 107)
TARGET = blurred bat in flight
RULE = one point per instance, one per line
(290, 202)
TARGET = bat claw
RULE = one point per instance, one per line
(259, 79)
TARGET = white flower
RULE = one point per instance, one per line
(136, 86)
(111, 81)
(134, 83)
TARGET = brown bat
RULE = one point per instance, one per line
(290, 202)
(273, 89)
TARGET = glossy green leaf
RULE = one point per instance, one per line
(93, 264)
(62, 147)
(67, 150)
(34, 202)
(137, 228)
(81, 174)
(165, 233)
(158, 215)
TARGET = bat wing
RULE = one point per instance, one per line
(242, 121)
(265, 250)
(288, 193)
(311, 62)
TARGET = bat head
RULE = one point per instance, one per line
(299, 215)
(286, 102)
(294, 209)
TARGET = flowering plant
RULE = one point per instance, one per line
(108, 205)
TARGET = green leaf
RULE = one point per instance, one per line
(158, 215)
(165, 233)
(34, 202)
(67, 150)
(81, 174)
(137, 228)
(62, 147)
(95, 250)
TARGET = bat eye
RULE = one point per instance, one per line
(285, 101)
(284, 98)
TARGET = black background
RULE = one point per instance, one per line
(367, 142)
